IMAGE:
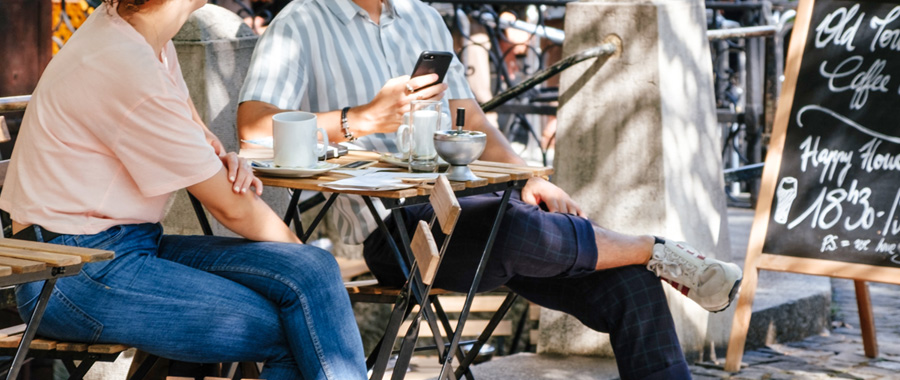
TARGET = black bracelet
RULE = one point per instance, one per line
(345, 125)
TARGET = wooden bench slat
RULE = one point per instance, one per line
(445, 205)
(514, 173)
(481, 181)
(426, 252)
(71, 347)
(360, 283)
(22, 266)
(472, 328)
(43, 344)
(53, 259)
(107, 348)
(5, 270)
(12, 330)
(537, 170)
(350, 267)
(385, 290)
(10, 341)
(87, 255)
(481, 303)
(491, 178)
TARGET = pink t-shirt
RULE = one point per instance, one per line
(108, 135)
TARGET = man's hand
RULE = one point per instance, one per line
(539, 190)
(385, 112)
(240, 174)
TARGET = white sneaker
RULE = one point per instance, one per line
(710, 283)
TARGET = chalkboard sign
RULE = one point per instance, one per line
(829, 199)
(837, 195)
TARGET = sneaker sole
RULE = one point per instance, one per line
(731, 294)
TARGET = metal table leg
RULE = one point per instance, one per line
(317, 220)
(454, 343)
(485, 335)
(292, 207)
(31, 330)
(293, 214)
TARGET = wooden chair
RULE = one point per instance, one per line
(33, 258)
(424, 265)
(427, 258)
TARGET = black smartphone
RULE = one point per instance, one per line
(358, 164)
(334, 150)
(433, 62)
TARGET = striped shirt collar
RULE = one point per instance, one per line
(345, 10)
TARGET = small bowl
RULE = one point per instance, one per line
(459, 148)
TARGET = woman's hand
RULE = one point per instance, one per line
(240, 174)
(385, 112)
(214, 141)
(539, 190)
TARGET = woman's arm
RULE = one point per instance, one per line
(244, 213)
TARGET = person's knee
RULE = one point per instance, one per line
(302, 268)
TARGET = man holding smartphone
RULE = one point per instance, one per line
(349, 60)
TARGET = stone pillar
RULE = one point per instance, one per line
(638, 146)
(214, 49)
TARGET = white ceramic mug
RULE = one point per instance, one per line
(294, 140)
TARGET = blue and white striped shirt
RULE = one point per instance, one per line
(323, 55)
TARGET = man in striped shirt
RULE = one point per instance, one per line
(353, 57)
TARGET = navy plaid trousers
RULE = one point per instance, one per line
(549, 259)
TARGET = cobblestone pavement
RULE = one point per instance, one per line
(837, 353)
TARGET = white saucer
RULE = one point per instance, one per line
(268, 168)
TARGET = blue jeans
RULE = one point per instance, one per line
(208, 299)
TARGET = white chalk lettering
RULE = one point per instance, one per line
(883, 247)
(885, 38)
(843, 119)
(836, 28)
(829, 243)
(860, 196)
(890, 225)
(829, 159)
(862, 82)
(872, 160)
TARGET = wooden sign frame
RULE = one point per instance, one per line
(757, 259)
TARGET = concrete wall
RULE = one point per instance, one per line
(638, 146)
(214, 49)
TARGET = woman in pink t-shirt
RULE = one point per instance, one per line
(109, 136)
